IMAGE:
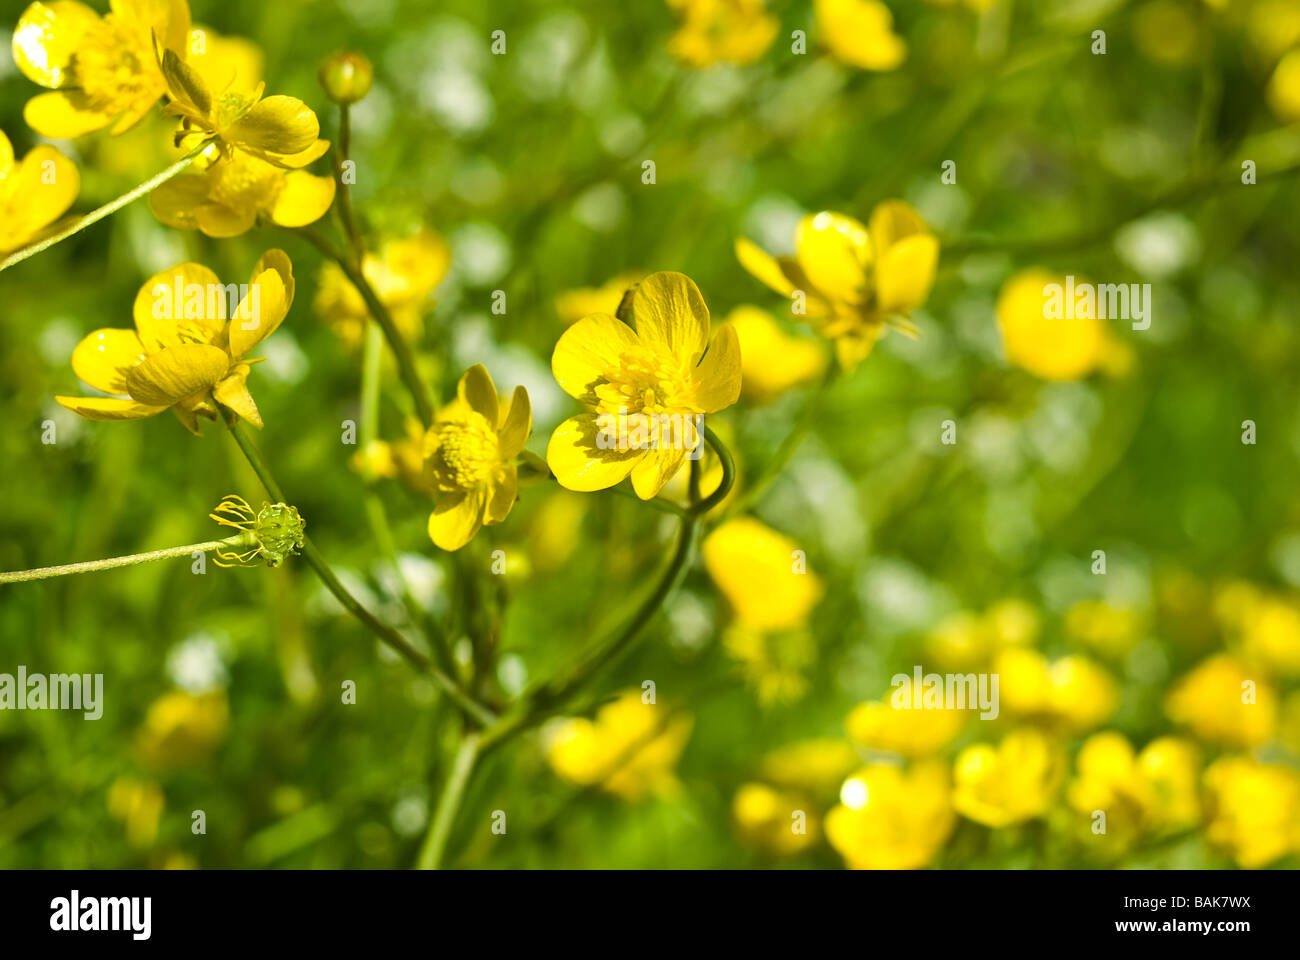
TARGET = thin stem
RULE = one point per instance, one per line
(435, 842)
(106, 210)
(350, 603)
(341, 156)
(239, 542)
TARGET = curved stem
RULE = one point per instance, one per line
(107, 209)
(350, 603)
(435, 842)
(241, 541)
(341, 156)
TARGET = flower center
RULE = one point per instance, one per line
(465, 453)
(644, 382)
(115, 68)
(243, 182)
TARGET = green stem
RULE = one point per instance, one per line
(106, 210)
(435, 842)
(241, 541)
(350, 603)
(341, 155)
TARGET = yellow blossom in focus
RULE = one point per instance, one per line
(1012, 782)
(101, 70)
(1222, 702)
(184, 353)
(645, 387)
(1253, 810)
(1054, 348)
(573, 305)
(878, 725)
(849, 279)
(1109, 630)
(403, 275)
(816, 765)
(771, 361)
(774, 662)
(774, 820)
(859, 33)
(629, 749)
(469, 452)
(1071, 692)
(182, 728)
(892, 818)
(139, 805)
(721, 31)
(762, 574)
(34, 193)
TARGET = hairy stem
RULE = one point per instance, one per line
(239, 542)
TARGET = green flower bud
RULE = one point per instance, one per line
(346, 77)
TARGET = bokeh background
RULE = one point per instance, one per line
(222, 690)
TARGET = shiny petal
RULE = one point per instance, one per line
(833, 251)
(175, 202)
(161, 312)
(219, 221)
(6, 156)
(669, 312)
(763, 267)
(502, 494)
(456, 518)
(654, 470)
(578, 462)
(47, 37)
(64, 114)
(718, 377)
(303, 199)
(588, 350)
(232, 392)
(477, 392)
(43, 186)
(186, 86)
(108, 408)
(260, 313)
(905, 273)
(516, 425)
(892, 221)
(178, 372)
(278, 124)
(103, 359)
(295, 161)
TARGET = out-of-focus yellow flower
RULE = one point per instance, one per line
(139, 805)
(860, 33)
(721, 31)
(469, 450)
(102, 70)
(1153, 791)
(629, 749)
(1265, 625)
(403, 275)
(774, 662)
(762, 573)
(184, 353)
(878, 725)
(774, 820)
(1170, 766)
(1284, 87)
(1014, 781)
(771, 361)
(1254, 810)
(573, 305)
(1212, 700)
(849, 279)
(554, 531)
(1109, 630)
(1054, 348)
(645, 387)
(1166, 32)
(396, 459)
(182, 728)
(891, 818)
(225, 64)
(816, 765)
(975, 5)
(965, 639)
(34, 193)
(1072, 692)
(1274, 26)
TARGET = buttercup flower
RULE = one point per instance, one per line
(721, 31)
(1264, 624)
(184, 354)
(1254, 810)
(819, 765)
(761, 574)
(771, 361)
(468, 453)
(891, 818)
(860, 33)
(629, 749)
(1111, 630)
(34, 192)
(851, 279)
(1053, 348)
(878, 725)
(646, 387)
(182, 728)
(773, 820)
(1071, 693)
(774, 663)
(965, 639)
(1152, 791)
(1009, 783)
(1223, 702)
(102, 70)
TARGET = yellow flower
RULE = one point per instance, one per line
(860, 33)
(1265, 625)
(403, 274)
(1170, 767)
(555, 530)
(101, 70)
(1223, 702)
(573, 305)
(646, 387)
(774, 820)
(1112, 631)
(878, 725)
(469, 450)
(818, 765)
(1254, 810)
(182, 728)
(1072, 692)
(629, 749)
(1012, 782)
(225, 63)
(721, 31)
(139, 805)
(763, 575)
(402, 459)
(849, 280)
(1155, 790)
(34, 192)
(965, 639)
(975, 5)
(1274, 26)
(771, 362)
(184, 354)
(891, 818)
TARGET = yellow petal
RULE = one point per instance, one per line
(503, 493)
(182, 299)
(717, 378)
(655, 469)
(64, 114)
(516, 425)
(169, 19)
(227, 63)
(186, 87)
(833, 251)
(277, 260)
(892, 221)
(219, 221)
(477, 392)
(763, 266)
(42, 187)
(304, 198)
(577, 461)
(232, 392)
(104, 357)
(456, 518)
(587, 350)
(298, 160)
(6, 156)
(277, 124)
(178, 372)
(259, 313)
(175, 202)
(905, 273)
(108, 408)
(47, 37)
(754, 567)
(860, 33)
(669, 312)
